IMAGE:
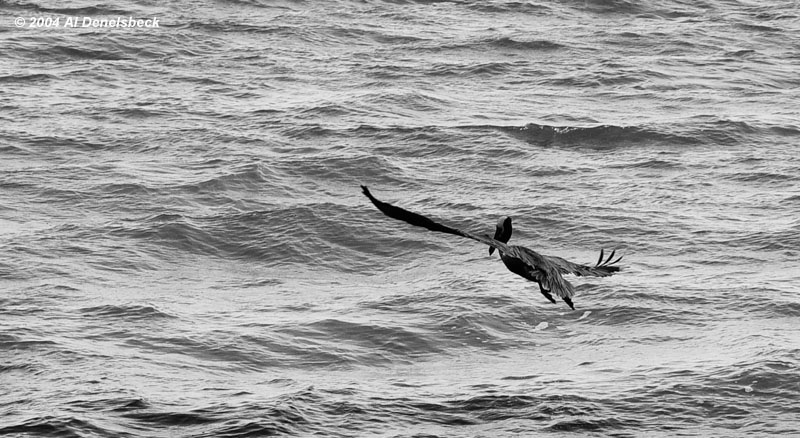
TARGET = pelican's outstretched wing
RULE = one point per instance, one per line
(543, 270)
(603, 268)
(424, 222)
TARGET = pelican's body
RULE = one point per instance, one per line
(546, 271)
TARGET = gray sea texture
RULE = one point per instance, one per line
(185, 250)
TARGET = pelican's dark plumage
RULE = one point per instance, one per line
(546, 271)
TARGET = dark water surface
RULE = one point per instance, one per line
(184, 249)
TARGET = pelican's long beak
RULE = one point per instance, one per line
(498, 231)
(502, 232)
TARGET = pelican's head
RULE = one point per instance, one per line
(503, 231)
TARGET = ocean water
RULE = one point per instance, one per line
(185, 251)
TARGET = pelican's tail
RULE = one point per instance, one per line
(606, 265)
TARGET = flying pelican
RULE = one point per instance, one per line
(546, 271)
